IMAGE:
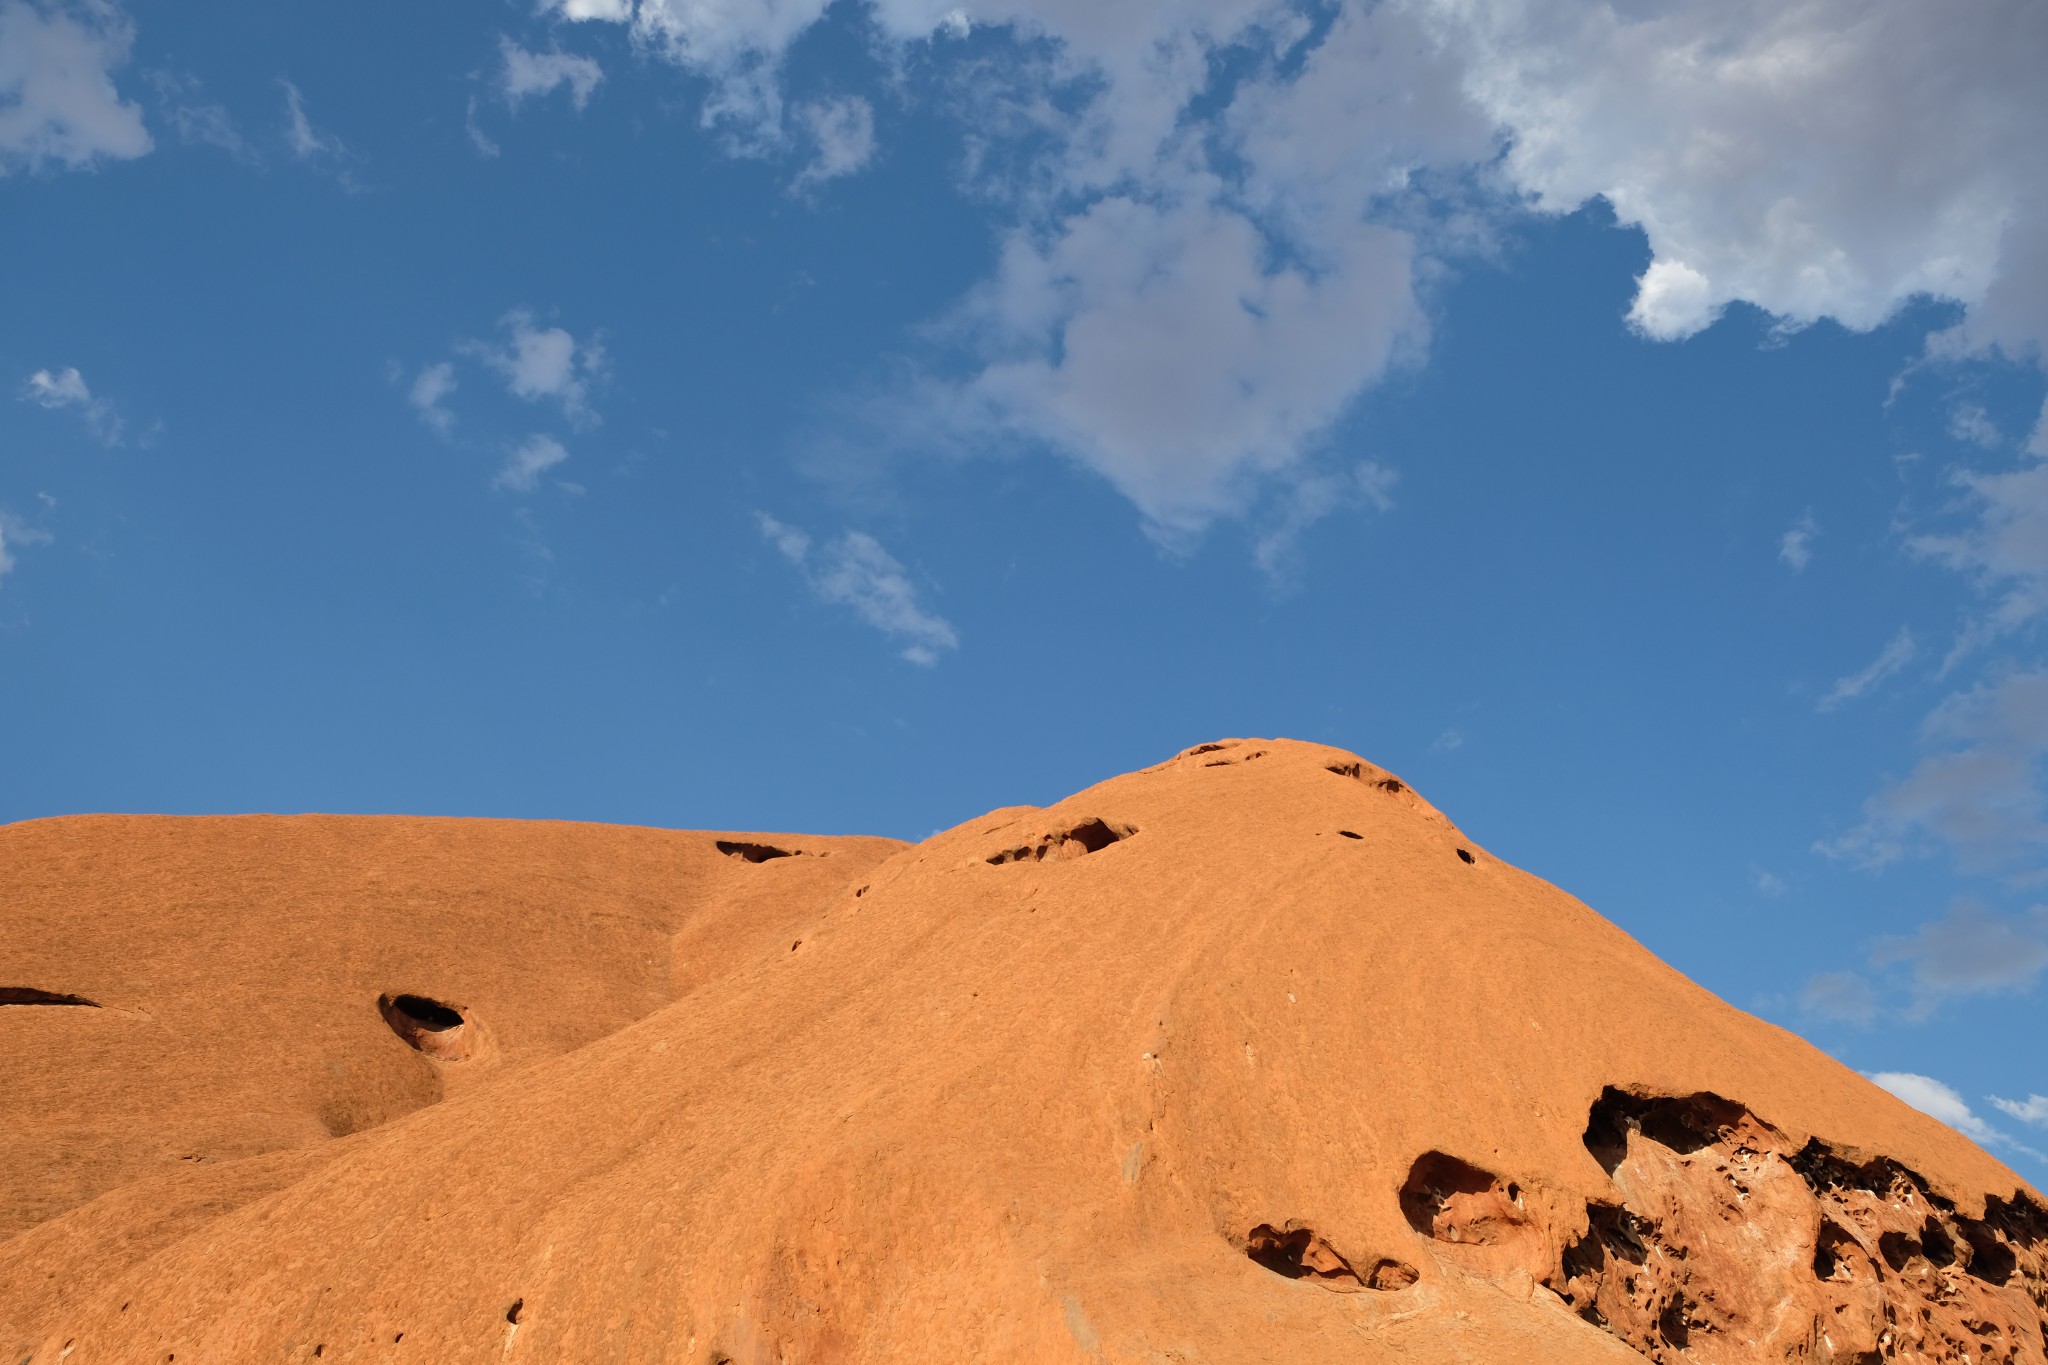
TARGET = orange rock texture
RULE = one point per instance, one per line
(1248, 1057)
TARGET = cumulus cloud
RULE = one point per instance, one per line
(1204, 274)
(1894, 656)
(540, 363)
(67, 389)
(854, 571)
(527, 75)
(58, 103)
(1795, 547)
(842, 132)
(527, 462)
(1938, 1101)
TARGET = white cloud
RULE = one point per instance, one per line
(855, 571)
(526, 75)
(1832, 158)
(1938, 1101)
(1795, 547)
(1894, 656)
(843, 132)
(1193, 295)
(2033, 1109)
(1768, 883)
(527, 462)
(544, 363)
(58, 104)
(67, 389)
(428, 394)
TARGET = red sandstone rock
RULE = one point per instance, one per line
(1251, 1056)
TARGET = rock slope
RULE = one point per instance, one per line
(1250, 1056)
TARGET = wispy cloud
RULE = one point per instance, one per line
(526, 75)
(1972, 950)
(527, 462)
(181, 104)
(1977, 793)
(429, 393)
(853, 570)
(1795, 547)
(1894, 656)
(842, 136)
(2033, 1109)
(14, 533)
(1845, 997)
(66, 389)
(314, 146)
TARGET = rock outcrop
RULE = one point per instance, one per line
(1246, 1057)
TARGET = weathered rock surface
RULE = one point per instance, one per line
(1251, 1056)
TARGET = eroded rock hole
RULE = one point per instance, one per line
(29, 995)
(427, 1025)
(512, 1313)
(1454, 1201)
(749, 852)
(1465, 856)
(1297, 1253)
(1349, 835)
(1089, 836)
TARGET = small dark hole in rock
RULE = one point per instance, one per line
(1465, 856)
(431, 1015)
(1344, 769)
(1391, 784)
(750, 852)
(29, 995)
(427, 1025)
(1349, 835)
(512, 1313)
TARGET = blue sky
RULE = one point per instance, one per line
(1623, 420)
